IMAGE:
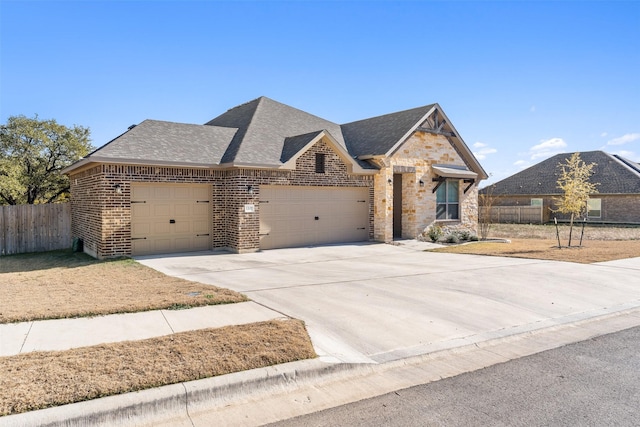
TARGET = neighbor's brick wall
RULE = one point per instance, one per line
(623, 208)
(615, 208)
(421, 150)
(102, 218)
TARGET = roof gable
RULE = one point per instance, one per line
(612, 174)
(379, 135)
(296, 146)
(264, 124)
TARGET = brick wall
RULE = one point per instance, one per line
(618, 208)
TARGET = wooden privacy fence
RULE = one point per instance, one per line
(513, 214)
(35, 228)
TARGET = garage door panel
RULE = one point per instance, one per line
(140, 246)
(152, 231)
(201, 243)
(182, 193)
(139, 210)
(200, 209)
(161, 193)
(140, 229)
(200, 227)
(160, 227)
(140, 192)
(180, 209)
(201, 194)
(182, 227)
(161, 210)
(287, 215)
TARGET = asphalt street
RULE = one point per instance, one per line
(590, 383)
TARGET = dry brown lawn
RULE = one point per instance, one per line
(63, 284)
(539, 242)
(43, 379)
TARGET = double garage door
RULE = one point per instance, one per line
(293, 216)
(169, 218)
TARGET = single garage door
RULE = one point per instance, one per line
(293, 216)
(168, 218)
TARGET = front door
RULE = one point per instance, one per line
(397, 206)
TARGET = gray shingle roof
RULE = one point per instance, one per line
(377, 135)
(262, 132)
(611, 172)
(263, 126)
(169, 142)
(293, 144)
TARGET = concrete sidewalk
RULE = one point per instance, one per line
(381, 317)
(64, 334)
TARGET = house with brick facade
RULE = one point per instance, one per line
(617, 199)
(265, 175)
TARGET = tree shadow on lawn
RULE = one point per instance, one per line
(47, 260)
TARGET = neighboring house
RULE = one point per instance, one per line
(265, 175)
(617, 199)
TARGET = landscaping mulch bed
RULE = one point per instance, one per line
(42, 379)
(63, 284)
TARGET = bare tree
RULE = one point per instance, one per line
(485, 207)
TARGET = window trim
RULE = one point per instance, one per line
(446, 202)
(599, 209)
(541, 200)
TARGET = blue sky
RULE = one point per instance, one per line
(520, 80)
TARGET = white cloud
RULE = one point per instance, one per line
(624, 139)
(547, 148)
(479, 144)
(604, 134)
(521, 164)
(483, 152)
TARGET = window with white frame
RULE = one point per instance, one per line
(447, 200)
(594, 208)
(536, 202)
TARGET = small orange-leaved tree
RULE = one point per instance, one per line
(576, 188)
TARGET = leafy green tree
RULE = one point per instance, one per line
(32, 154)
(575, 186)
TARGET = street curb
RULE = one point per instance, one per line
(232, 396)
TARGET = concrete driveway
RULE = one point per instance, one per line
(372, 303)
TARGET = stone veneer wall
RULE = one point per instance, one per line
(102, 218)
(420, 151)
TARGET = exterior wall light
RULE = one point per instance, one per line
(421, 182)
(250, 189)
(118, 188)
(389, 181)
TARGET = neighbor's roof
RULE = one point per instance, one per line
(263, 133)
(614, 174)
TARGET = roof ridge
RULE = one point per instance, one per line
(628, 163)
(429, 106)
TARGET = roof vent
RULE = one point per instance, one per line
(131, 127)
